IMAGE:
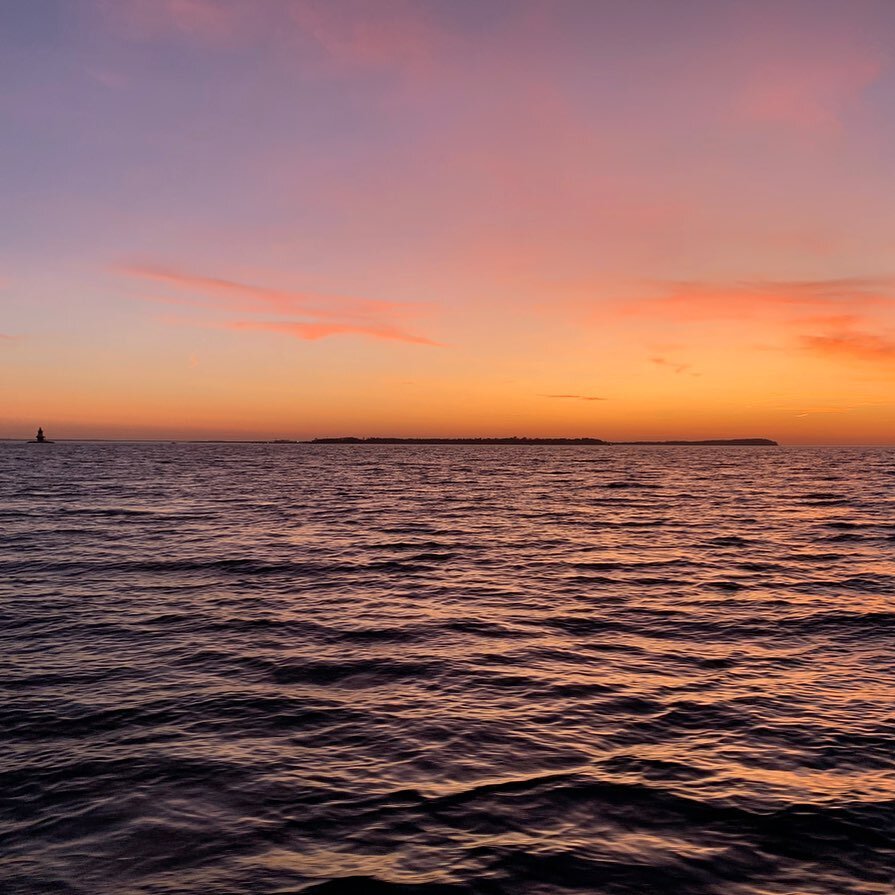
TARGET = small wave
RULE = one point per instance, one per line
(730, 541)
(349, 673)
(107, 511)
(372, 885)
(871, 622)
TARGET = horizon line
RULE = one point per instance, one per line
(594, 441)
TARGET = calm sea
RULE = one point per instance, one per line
(412, 670)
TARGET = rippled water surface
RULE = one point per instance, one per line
(392, 669)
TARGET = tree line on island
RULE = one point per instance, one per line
(749, 442)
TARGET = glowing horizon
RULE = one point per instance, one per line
(293, 219)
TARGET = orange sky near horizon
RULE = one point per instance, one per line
(418, 217)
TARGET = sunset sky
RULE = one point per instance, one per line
(292, 218)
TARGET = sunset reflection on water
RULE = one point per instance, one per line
(488, 669)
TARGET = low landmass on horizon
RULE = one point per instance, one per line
(350, 439)
(762, 442)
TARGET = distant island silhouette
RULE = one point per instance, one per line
(719, 442)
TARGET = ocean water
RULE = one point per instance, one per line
(390, 669)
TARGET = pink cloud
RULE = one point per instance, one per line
(321, 316)
(851, 345)
(686, 302)
(797, 68)
(314, 331)
(350, 33)
(845, 319)
(361, 33)
(809, 94)
(233, 295)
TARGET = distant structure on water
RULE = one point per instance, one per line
(40, 438)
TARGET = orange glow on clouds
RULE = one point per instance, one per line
(313, 331)
(323, 315)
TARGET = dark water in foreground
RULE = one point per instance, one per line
(282, 669)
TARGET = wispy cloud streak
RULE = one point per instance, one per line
(577, 397)
(314, 331)
(692, 301)
(312, 316)
(671, 365)
(851, 345)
